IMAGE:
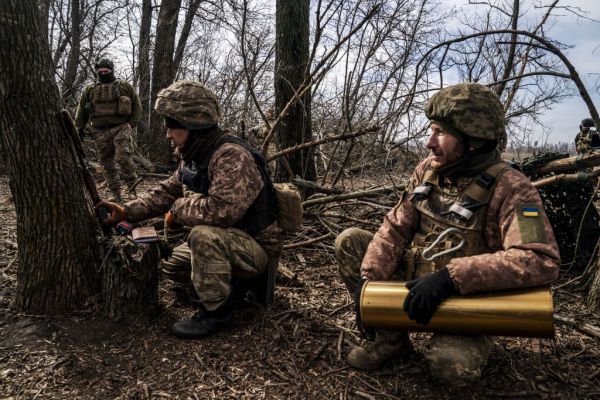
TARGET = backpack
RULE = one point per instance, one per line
(289, 207)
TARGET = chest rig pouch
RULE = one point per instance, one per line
(451, 221)
(107, 100)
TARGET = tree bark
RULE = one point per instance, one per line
(144, 73)
(291, 67)
(57, 247)
(130, 280)
(162, 76)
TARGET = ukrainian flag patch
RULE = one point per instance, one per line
(530, 211)
(531, 224)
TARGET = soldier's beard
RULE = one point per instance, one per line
(444, 158)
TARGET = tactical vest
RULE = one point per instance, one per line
(107, 101)
(262, 212)
(460, 214)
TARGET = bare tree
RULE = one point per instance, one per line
(68, 88)
(57, 247)
(159, 148)
(292, 65)
(143, 72)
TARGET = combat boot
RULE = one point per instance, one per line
(387, 345)
(204, 323)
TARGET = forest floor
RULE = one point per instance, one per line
(296, 350)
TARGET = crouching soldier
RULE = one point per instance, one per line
(232, 209)
(495, 212)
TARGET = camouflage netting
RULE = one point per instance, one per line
(565, 205)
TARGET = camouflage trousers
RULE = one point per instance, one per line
(213, 256)
(114, 144)
(454, 359)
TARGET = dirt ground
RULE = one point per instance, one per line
(296, 350)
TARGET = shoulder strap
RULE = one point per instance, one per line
(480, 189)
(431, 177)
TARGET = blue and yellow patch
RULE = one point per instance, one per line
(530, 211)
(531, 224)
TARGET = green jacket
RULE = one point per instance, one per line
(85, 109)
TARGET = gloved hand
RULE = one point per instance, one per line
(426, 293)
(81, 133)
(116, 212)
(170, 221)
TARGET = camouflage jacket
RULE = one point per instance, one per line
(512, 264)
(83, 115)
(235, 182)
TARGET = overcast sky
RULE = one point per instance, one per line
(563, 120)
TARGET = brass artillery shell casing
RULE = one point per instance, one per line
(521, 312)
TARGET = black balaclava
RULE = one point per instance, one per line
(105, 63)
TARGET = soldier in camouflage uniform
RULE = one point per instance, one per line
(583, 140)
(463, 184)
(113, 109)
(223, 191)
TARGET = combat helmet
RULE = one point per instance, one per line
(468, 109)
(190, 103)
(586, 123)
(104, 63)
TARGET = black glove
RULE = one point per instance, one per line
(81, 133)
(426, 293)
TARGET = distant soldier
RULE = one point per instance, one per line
(501, 236)
(113, 109)
(259, 132)
(583, 140)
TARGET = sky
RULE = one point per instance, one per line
(562, 122)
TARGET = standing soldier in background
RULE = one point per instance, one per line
(113, 109)
(583, 140)
(488, 217)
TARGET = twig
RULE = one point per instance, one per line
(301, 183)
(583, 327)
(307, 242)
(153, 175)
(373, 129)
(353, 195)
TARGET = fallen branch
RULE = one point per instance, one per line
(568, 164)
(307, 242)
(153, 175)
(583, 327)
(580, 176)
(353, 195)
(303, 184)
(373, 129)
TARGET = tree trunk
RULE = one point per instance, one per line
(130, 280)
(185, 33)
(57, 247)
(143, 76)
(291, 65)
(162, 76)
(68, 89)
(593, 298)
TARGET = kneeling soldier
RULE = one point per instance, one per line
(463, 184)
(223, 191)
